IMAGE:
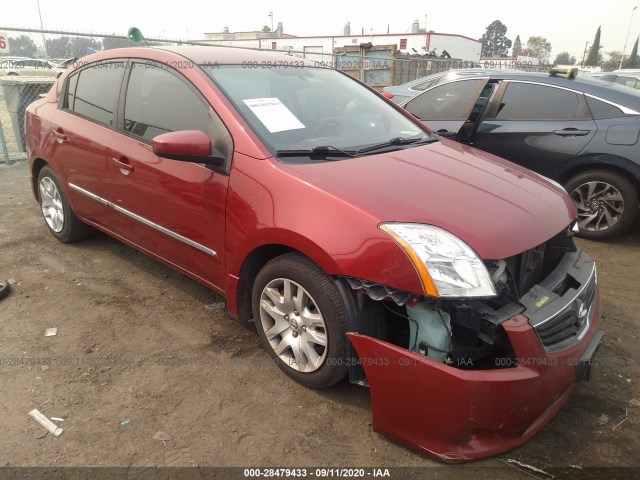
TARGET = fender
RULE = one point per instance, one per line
(600, 160)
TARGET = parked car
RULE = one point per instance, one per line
(627, 78)
(30, 67)
(402, 93)
(359, 243)
(579, 131)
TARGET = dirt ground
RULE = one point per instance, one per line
(140, 349)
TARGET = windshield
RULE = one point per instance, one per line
(307, 108)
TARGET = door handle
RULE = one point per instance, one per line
(60, 135)
(571, 132)
(123, 164)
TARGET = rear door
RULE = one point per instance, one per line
(535, 125)
(171, 208)
(82, 132)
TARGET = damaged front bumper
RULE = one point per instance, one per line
(457, 415)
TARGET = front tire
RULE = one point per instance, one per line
(58, 215)
(301, 319)
(607, 203)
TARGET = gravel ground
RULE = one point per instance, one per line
(141, 349)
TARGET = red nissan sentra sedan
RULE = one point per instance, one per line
(360, 244)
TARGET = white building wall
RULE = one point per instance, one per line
(457, 46)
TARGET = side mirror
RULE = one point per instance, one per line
(187, 146)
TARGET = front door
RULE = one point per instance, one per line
(171, 208)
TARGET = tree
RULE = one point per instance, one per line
(594, 53)
(539, 48)
(495, 42)
(613, 61)
(59, 47)
(67, 47)
(23, 46)
(266, 29)
(564, 58)
(517, 47)
(110, 42)
(634, 59)
(81, 46)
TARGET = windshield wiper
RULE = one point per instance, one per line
(397, 142)
(322, 152)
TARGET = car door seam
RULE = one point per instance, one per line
(145, 221)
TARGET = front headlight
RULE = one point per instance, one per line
(447, 266)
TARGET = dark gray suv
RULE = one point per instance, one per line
(581, 132)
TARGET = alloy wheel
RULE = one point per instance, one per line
(293, 325)
(600, 205)
(51, 204)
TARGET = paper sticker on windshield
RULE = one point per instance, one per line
(273, 114)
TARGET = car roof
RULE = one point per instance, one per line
(461, 71)
(615, 74)
(612, 92)
(203, 54)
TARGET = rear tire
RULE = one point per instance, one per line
(58, 215)
(607, 203)
(301, 319)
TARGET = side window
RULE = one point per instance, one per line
(525, 101)
(96, 91)
(451, 101)
(158, 102)
(600, 109)
(627, 81)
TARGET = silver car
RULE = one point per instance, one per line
(628, 78)
(401, 93)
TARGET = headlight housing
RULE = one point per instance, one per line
(447, 266)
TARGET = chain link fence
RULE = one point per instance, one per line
(31, 60)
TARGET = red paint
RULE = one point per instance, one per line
(456, 415)
(330, 211)
(187, 143)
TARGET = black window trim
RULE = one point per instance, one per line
(486, 79)
(65, 91)
(125, 84)
(119, 124)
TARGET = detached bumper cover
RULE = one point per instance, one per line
(457, 415)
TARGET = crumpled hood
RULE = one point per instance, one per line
(500, 209)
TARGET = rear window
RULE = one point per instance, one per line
(600, 109)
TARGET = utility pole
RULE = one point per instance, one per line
(271, 15)
(627, 38)
(584, 54)
(44, 42)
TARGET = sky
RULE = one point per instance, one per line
(567, 24)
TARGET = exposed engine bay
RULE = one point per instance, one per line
(466, 333)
